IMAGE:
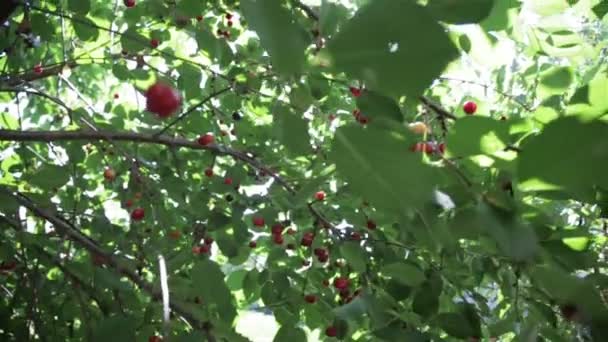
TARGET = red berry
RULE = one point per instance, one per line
(154, 43)
(138, 214)
(357, 113)
(116, 96)
(38, 68)
(363, 120)
(277, 229)
(129, 4)
(345, 293)
(332, 117)
(219, 32)
(341, 283)
(310, 298)
(356, 236)
(229, 23)
(278, 239)
(253, 244)
(162, 100)
(228, 181)
(356, 92)
(441, 148)
(228, 16)
(205, 140)
(226, 34)
(319, 251)
(258, 221)
(129, 203)
(417, 147)
(175, 234)
(109, 174)
(325, 282)
(323, 257)
(209, 240)
(470, 107)
(209, 172)
(307, 239)
(429, 148)
(331, 331)
(205, 249)
(320, 196)
(569, 311)
(371, 225)
(197, 250)
(199, 18)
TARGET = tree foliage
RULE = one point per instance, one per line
(345, 189)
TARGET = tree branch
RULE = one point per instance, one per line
(436, 108)
(309, 12)
(191, 110)
(65, 228)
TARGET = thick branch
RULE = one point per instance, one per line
(85, 135)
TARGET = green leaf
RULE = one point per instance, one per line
(380, 167)
(567, 289)
(460, 11)
(473, 135)
(455, 325)
(115, 328)
(355, 310)
(404, 273)
(426, 300)
(208, 280)
(558, 78)
(218, 50)
(568, 153)
(375, 46)
(280, 34)
(49, 177)
(42, 26)
(374, 105)
(132, 41)
(79, 6)
(86, 30)
(191, 6)
(290, 334)
(292, 131)
(355, 256)
(331, 15)
(600, 9)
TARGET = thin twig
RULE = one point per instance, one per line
(192, 109)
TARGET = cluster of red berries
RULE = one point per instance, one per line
(205, 248)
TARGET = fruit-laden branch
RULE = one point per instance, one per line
(65, 228)
(52, 70)
(86, 135)
(82, 135)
